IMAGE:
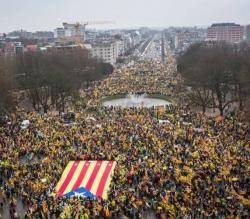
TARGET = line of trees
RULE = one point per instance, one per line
(7, 100)
(49, 80)
(218, 74)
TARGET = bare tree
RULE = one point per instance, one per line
(216, 73)
(53, 78)
(191, 65)
(7, 86)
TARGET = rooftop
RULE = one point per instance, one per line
(224, 24)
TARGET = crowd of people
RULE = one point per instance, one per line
(149, 77)
(171, 162)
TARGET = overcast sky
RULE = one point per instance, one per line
(47, 14)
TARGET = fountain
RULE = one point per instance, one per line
(135, 100)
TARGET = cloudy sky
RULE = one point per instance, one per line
(47, 14)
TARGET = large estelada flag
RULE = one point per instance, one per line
(88, 178)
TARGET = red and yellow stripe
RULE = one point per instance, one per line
(94, 176)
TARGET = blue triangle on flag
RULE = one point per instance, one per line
(81, 193)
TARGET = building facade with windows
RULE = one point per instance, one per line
(248, 33)
(59, 33)
(226, 32)
(107, 51)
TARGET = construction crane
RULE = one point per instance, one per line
(94, 23)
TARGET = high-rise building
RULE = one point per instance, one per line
(106, 51)
(248, 33)
(227, 32)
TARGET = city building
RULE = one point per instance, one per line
(71, 32)
(2, 36)
(90, 36)
(226, 32)
(43, 35)
(121, 49)
(31, 48)
(23, 34)
(19, 49)
(74, 30)
(178, 41)
(20, 34)
(106, 51)
(60, 48)
(248, 33)
(11, 49)
(59, 33)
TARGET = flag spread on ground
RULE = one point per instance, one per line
(89, 178)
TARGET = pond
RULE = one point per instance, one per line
(136, 100)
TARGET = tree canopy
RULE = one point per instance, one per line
(218, 74)
(50, 79)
